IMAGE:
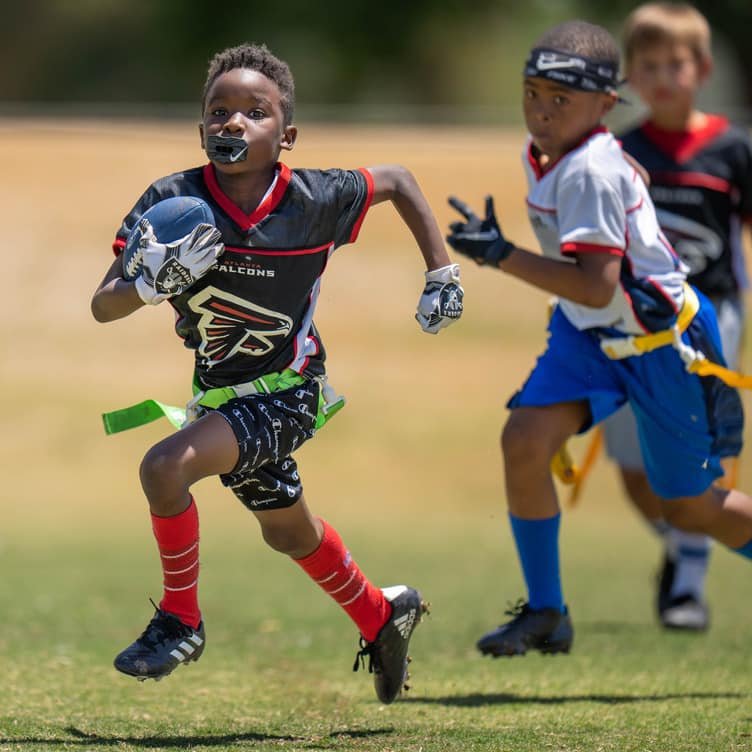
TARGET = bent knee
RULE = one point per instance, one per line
(686, 514)
(160, 471)
(524, 440)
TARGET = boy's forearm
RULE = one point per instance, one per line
(397, 184)
(115, 297)
(417, 215)
(590, 287)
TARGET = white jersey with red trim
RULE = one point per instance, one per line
(252, 313)
(593, 201)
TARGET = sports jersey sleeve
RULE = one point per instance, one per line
(148, 198)
(745, 179)
(591, 216)
(348, 194)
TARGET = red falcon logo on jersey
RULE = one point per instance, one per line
(230, 325)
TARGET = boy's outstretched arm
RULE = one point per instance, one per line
(441, 301)
(590, 280)
(115, 297)
(396, 184)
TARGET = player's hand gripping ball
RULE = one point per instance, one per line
(441, 301)
(174, 244)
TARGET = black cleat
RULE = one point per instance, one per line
(665, 582)
(545, 629)
(686, 612)
(164, 645)
(387, 654)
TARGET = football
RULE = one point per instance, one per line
(171, 219)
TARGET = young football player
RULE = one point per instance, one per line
(700, 169)
(259, 361)
(628, 328)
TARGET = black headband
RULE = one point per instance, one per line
(572, 71)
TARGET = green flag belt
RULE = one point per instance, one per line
(150, 410)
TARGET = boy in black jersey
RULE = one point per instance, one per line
(700, 169)
(259, 361)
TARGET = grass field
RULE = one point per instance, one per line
(409, 474)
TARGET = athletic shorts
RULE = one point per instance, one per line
(269, 428)
(620, 429)
(685, 423)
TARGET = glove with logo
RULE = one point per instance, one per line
(170, 268)
(480, 239)
(441, 301)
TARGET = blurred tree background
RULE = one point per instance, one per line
(445, 60)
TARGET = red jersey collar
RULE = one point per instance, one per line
(266, 207)
(533, 160)
(682, 145)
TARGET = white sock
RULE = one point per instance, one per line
(692, 556)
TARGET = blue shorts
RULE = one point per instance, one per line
(620, 429)
(685, 422)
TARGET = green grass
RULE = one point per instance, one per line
(409, 474)
(276, 673)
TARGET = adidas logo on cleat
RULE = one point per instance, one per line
(184, 650)
(404, 623)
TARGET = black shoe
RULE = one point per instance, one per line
(686, 612)
(387, 654)
(545, 629)
(164, 645)
(665, 583)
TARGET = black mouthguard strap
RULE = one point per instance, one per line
(226, 149)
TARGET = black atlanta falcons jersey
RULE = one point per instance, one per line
(252, 313)
(701, 185)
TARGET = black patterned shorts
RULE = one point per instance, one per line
(269, 428)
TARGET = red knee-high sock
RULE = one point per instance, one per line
(332, 568)
(177, 539)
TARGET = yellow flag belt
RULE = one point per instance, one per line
(616, 348)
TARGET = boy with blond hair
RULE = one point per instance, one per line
(700, 169)
(627, 328)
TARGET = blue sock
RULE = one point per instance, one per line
(538, 548)
(745, 550)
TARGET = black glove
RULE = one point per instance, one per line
(480, 239)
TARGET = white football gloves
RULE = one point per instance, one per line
(441, 301)
(170, 268)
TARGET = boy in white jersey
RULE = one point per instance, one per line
(625, 328)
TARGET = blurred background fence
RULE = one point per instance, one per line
(432, 61)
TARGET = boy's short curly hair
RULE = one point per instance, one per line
(661, 22)
(584, 39)
(256, 57)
